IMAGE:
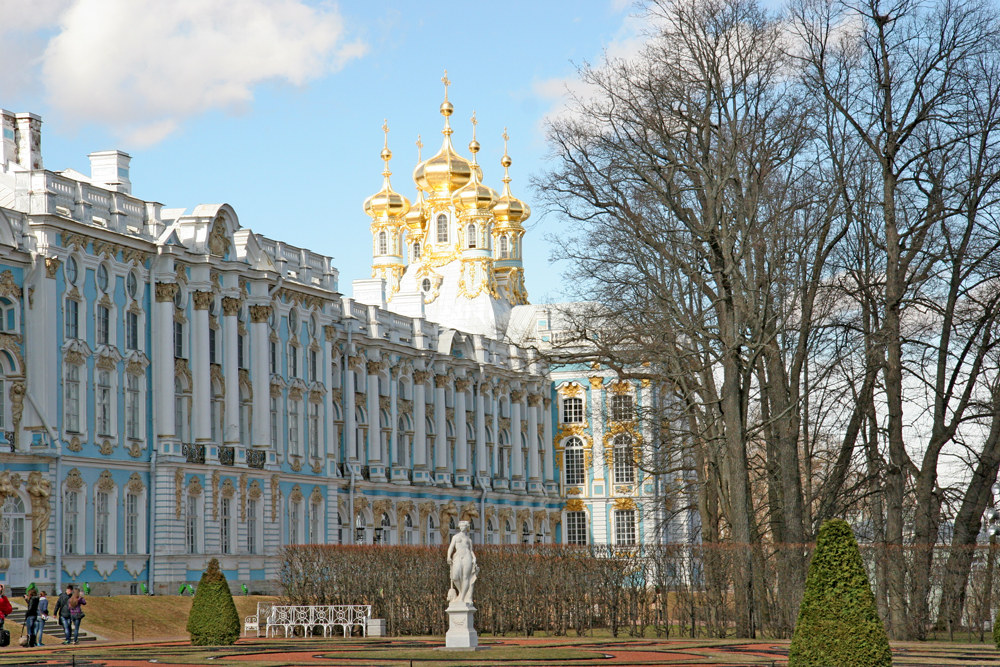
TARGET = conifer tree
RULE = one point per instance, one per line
(213, 620)
(838, 623)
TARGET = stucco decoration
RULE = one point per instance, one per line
(596, 382)
(254, 492)
(178, 491)
(75, 445)
(380, 507)
(194, 486)
(106, 447)
(469, 511)
(215, 495)
(243, 497)
(403, 508)
(228, 489)
(427, 508)
(74, 481)
(230, 306)
(316, 496)
(260, 314)
(275, 497)
(8, 286)
(574, 505)
(625, 504)
(106, 482)
(360, 505)
(218, 239)
(52, 265)
(135, 485)
(17, 408)
(39, 489)
(166, 291)
(447, 512)
(202, 300)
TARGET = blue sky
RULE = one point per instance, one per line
(276, 106)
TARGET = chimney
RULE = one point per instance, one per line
(109, 169)
(28, 137)
(8, 147)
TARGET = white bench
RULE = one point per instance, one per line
(290, 617)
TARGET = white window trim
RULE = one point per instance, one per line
(199, 532)
(81, 402)
(113, 500)
(82, 494)
(258, 517)
(112, 405)
(141, 522)
(141, 431)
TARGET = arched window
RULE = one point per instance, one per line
(572, 412)
(470, 234)
(294, 535)
(103, 399)
(490, 537)
(385, 535)
(8, 315)
(416, 251)
(504, 251)
(525, 533)
(624, 461)
(359, 529)
(12, 528)
(431, 530)
(573, 462)
(509, 535)
(383, 247)
(442, 228)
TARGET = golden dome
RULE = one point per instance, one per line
(474, 196)
(447, 171)
(509, 209)
(386, 203)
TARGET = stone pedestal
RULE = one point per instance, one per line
(461, 631)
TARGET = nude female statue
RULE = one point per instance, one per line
(463, 565)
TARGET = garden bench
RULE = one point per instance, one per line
(308, 617)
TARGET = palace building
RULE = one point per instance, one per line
(175, 387)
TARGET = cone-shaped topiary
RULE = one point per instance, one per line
(213, 620)
(838, 622)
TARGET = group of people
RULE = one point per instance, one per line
(68, 609)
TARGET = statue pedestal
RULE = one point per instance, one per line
(461, 631)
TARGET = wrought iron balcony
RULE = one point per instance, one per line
(194, 453)
(227, 456)
(256, 458)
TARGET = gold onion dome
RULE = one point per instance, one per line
(386, 203)
(509, 209)
(447, 171)
(475, 196)
(416, 217)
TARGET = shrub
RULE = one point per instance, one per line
(213, 620)
(838, 621)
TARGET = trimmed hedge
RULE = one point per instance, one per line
(838, 621)
(213, 620)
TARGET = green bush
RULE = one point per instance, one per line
(838, 622)
(213, 620)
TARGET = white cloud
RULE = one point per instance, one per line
(143, 66)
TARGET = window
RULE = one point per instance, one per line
(314, 429)
(525, 533)
(385, 535)
(8, 315)
(313, 366)
(509, 534)
(244, 418)
(572, 410)
(314, 516)
(504, 252)
(470, 233)
(576, 527)
(103, 319)
(132, 406)
(191, 525)
(251, 526)
(340, 528)
(274, 422)
(132, 284)
(624, 460)
(12, 528)
(431, 531)
(625, 527)
(103, 399)
(212, 336)
(383, 248)
(71, 522)
(293, 324)
(240, 351)
(179, 340)
(425, 285)
(179, 404)
(214, 415)
(293, 428)
(442, 228)
(73, 398)
(293, 361)
(416, 251)
(274, 358)
(102, 277)
(131, 523)
(293, 523)
(490, 537)
(225, 535)
(574, 462)
(72, 318)
(71, 270)
(132, 330)
(408, 530)
(621, 407)
(102, 523)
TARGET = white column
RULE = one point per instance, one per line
(481, 466)
(550, 455)
(374, 416)
(495, 453)
(163, 359)
(440, 426)
(200, 370)
(533, 461)
(419, 421)
(516, 455)
(330, 432)
(461, 429)
(393, 453)
(231, 369)
(350, 425)
(260, 375)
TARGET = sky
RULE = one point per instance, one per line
(276, 106)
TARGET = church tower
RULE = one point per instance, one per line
(508, 234)
(387, 209)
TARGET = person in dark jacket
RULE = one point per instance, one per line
(31, 616)
(43, 615)
(62, 612)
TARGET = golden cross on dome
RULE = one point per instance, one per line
(446, 83)
(505, 138)
(474, 123)
(420, 146)
(385, 128)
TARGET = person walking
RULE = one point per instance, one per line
(43, 615)
(5, 610)
(62, 612)
(75, 604)
(31, 616)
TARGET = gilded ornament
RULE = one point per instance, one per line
(105, 482)
(596, 382)
(316, 466)
(178, 491)
(260, 314)
(296, 464)
(254, 492)
(228, 488)
(134, 450)
(69, 240)
(75, 445)
(625, 504)
(570, 390)
(330, 333)
(421, 377)
(360, 505)
(134, 256)
(275, 493)
(202, 300)
(166, 291)
(74, 481)
(52, 265)
(39, 488)
(275, 390)
(134, 485)
(194, 486)
(469, 511)
(380, 507)
(107, 448)
(243, 497)
(316, 497)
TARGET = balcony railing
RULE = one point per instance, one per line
(256, 458)
(227, 456)
(194, 453)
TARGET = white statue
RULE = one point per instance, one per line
(463, 566)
